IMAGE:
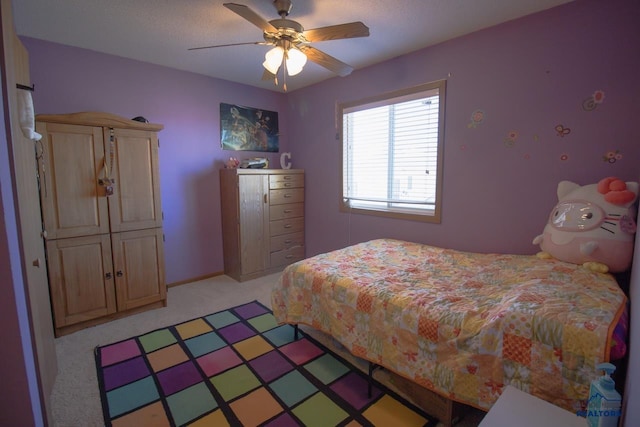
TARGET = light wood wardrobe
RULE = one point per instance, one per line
(100, 198)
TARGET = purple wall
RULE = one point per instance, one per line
(69, 79)
(527, 76)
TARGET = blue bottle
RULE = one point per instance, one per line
(604, 401)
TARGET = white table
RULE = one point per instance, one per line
(517, 408)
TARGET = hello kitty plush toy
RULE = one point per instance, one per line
(592, 225)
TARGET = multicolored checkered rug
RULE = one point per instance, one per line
(238, 367)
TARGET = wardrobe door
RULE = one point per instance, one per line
(73, 201)
(138, 264)
(81, 279)
(133, 155)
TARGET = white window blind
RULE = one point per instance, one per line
(391, 153)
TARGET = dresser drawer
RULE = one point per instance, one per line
(286, 211)
(287, 256)
(286, 241)
(293, 195)
(286, 226)
(286, 181)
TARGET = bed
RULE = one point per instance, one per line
(463, 325)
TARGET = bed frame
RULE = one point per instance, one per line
(447, 411)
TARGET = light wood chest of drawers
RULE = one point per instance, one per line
(262, 220)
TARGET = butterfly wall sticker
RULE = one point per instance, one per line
(562, 131)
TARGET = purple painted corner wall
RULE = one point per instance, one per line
(500, 177)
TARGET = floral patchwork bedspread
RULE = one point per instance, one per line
(462, 324)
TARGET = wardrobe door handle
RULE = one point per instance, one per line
(108, 276)
(119, 273)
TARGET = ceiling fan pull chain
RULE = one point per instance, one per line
(284, 71)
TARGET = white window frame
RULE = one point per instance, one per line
(428, 210)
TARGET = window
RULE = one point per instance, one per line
(392, 153)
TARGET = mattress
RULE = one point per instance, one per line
(462, 324)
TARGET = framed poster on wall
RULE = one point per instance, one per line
(248, 129)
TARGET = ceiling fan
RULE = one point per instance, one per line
(292, 43)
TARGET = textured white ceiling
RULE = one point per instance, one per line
(162, 31)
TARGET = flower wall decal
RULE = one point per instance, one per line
(612, 156)
(477, 117)
(592, 102)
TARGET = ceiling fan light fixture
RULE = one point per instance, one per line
(291, 41)
(273, 59)
(295, 61)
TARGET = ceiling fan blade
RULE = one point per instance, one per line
(266, 75)
(335, 32)
(251, 16)
(225, 45)
(327, 61)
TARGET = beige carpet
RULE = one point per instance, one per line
(75, 398)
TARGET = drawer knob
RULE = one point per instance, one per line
(287, 226)
(286, 196)
(288, 211)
